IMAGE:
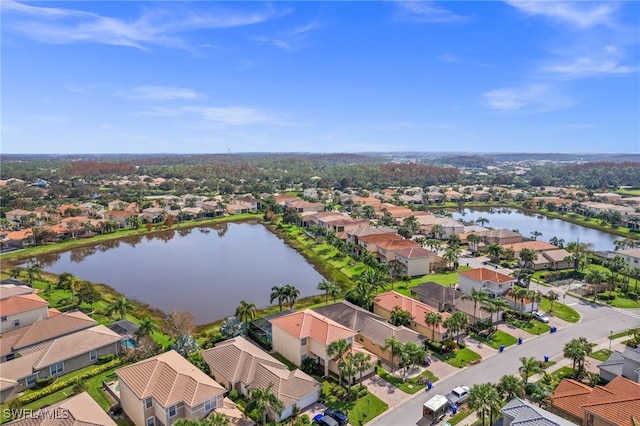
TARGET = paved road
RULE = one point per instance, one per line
(597, 322)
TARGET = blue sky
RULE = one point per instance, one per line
(205, 77)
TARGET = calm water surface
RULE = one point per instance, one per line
(206, 271)
(526, 223)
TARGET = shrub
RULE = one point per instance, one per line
(41, 383)
(362, 393)
(234, 395)
(103, 359)
(305, 419)
(607, 295)
(633, 296)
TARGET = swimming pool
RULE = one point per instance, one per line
(129, 343)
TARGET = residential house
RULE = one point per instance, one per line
(59, 356)
(241, 365)
(519, 412)
(304, 206)
(21, 310)
(415, 260)
(537, 246)
(237, 208)
(553, 259)
(626, 364)
(121, 216)
(491, 236)
(78, 410)
(387, 251)
(304, 334)
(16, 341)
(631, 256)
(16, 215)
(165, 388)
(489, 280)
(214, 208)
(598, 208)
(92, 209)
(355, 236)
(10, 287)
(371, 242)
(448, 299)
(615, 404)
(17, 239)
(384, 303)
(608, 197)
(253, 203)
(151, 214)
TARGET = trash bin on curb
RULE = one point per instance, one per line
(519, 340)
(501, 348)
(546, 358)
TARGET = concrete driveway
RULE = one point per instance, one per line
(385, 391)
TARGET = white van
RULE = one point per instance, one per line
(434, 410)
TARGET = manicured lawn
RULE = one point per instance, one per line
(462, 414)
(533, 327)
(460, 358)
(497, 339)
(410, 386)
(362, 410)
(445, 278)
(564, 312)
(291, 366)
(562, 373)
(620, 334)
(601, 355)
(622, 302)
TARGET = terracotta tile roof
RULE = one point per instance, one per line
(311, 324)
(380, 238)
(536, 246)
(616, 402)
(118, 213)
(414, 253)
(19, 235)
(485, 274)
(44, 330)
(79, 410)
(21, 303)
(398, 244)
(390, 299)
(289, 386)
(169, 379)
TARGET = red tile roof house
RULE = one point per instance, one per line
(416, 261)
(308, 334)
(615, 404)
(489, 280)
(22, 310)
(384, 303)
(165, 388)
(241, 365)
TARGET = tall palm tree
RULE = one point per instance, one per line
(553, 297)
(263, 400)
(577, 350)
(535, 297)
(482, 221)
(145, 328)
(347, 368)
(34, 271)
(500, 305)
(528, 256)
(278, 292)
(494, 250)
(246, 312)
(519, 293)
(362, 363)
(478, 297)
(336, 351)
(292, 294)
(524, 275)
(529, 367)
(218, 419)
(329, 288)
(451, 255)
(484, 398)
(120, 306)
(395, 346)
(362, 295)
(433, 319)
(15, 272)
(457, 323)
(509, 387)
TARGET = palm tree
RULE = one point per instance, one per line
(145, 328)
(482, 221)
(535, 297)
(577, 350)
(412, 355)
(433, 319)
(292, 294)
(456, 323)
(120, 306)
(400, 317)
(329, 288)
(528, 256)
(519, 293)
(524, 275)
(34, 271)
(362, 362)
(362, 295)
(395, 346)
(553, 297)
(495, 251)
(529, 367)
(278, 292)
(509, 387)
(478, 297)
(336, 351)
(246, 312)
(500, 305)
(15, 272)
(484, 398)
(218, 419)
(437, 231)
(451, 255)
(347, 368)
(374, 276)
(263, 400)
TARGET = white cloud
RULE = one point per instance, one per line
(226, 116)
(153, 27)
(580, 14)
(448, 57)
(531, 98)
(289, 40)
(160, 93)
(426, 12)
(597, 62)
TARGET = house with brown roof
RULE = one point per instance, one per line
(553, 259)
(384, 303)
(447, 299)
(16, 215)
(241, 365)
(22, 309)
(490, 236)
(60, 356)
(415, 260)
(120, 216)
(79, 410)
(615, 404)
(302, 206)
(17, 239)
(304, 334)
(387, 249)
(372, 241)
(631, 256)
(535, 245)
(489, 280)
(165, 388)
(13, 342)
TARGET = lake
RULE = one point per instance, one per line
(526, 223)
(206, 270)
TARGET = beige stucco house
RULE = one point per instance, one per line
(165, 388)
(20, 310)
(489, 280)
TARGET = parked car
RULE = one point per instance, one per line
(540, 317)
(325, 420)
(338, 416)
(458, 395)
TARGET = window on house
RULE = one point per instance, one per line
(171, 411)
(304, 356)
(303, 341)
(151, 421)
(10, 357)
(148, 402)
(56, 368)
(4, 319)
(209, 405)
(16, 322)
(31, 380)
(93, 355)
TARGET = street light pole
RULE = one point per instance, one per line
(610, 335)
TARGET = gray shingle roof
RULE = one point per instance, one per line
(346, 314)
(525, 414)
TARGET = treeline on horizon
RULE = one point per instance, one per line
(369, 171)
